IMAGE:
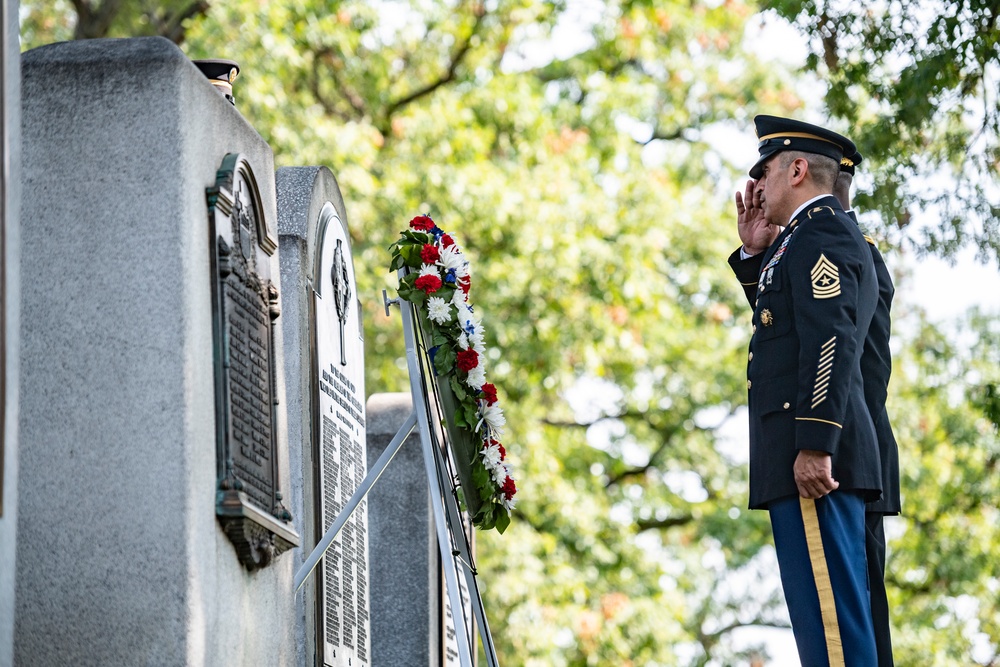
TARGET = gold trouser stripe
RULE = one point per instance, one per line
(821, 575)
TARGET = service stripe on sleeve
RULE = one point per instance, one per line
(823, 371)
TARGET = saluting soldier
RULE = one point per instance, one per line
(876, 368)
(814, 461)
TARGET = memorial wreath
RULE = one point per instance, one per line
(436, 281)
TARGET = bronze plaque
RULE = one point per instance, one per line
(245, 307)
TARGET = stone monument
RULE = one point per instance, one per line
(324, 352)
(153, 456)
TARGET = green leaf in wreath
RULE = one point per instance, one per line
(438, 337)
(480, 476)
(458, 389)
(502, 519)
(411, 255)
(471, 413)
(444, 360)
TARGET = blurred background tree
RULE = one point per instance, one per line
(917, 82)
(580, 153)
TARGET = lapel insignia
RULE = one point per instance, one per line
(825, 279)
(766, 318)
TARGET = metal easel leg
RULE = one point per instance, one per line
(437, 499)
(359, 494)
(465, 558)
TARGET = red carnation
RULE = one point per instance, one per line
(508, 488)
(429, 284)
(429, 254)
(447, 241)
(467, 359)
(422, 223)
(489, 393)
(465, 283)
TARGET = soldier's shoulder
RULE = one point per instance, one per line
(820, 211)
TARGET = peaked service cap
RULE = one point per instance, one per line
(775, 134)
(849, 162)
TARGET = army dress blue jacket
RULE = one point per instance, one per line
(876, 367)
(816, 294)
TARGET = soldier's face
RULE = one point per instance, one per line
(773, 190)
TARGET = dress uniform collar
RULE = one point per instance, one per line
(810, 202)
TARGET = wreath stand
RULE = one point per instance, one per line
(453, 543)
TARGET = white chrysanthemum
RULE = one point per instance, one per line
(459, 298)
(451, 258)
(468, 319)
(493, 416)
(463, 271)
(476, 342)
(477, 376)
(463, 342)
(439, 310)
(491, 456)
(429, 270)
(499, 474)
(508, 504)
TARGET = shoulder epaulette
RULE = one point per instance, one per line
(818, 209)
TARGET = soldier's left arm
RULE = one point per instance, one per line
(825, 270)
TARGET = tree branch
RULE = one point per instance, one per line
(335, 64)
(660, 135)
(479, 11)
(656, 524)
(172, 27)
(94, 22)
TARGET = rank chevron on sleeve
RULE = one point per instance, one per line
(825, 279)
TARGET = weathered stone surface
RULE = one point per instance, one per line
(121, 560)
(406, 567)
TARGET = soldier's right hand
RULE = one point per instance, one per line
(755, 232)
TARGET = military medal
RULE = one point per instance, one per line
(781, 251)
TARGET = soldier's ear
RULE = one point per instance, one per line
(800, 166)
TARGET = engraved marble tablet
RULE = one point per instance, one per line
(339, 382)
(245, 306)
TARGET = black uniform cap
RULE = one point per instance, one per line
(776, 134)
(849, 162)
(221, 74)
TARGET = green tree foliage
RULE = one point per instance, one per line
(597, 214)
(917, 84)
(944, 567)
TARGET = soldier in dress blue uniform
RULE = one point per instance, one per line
(814, 459)
(876, 367)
